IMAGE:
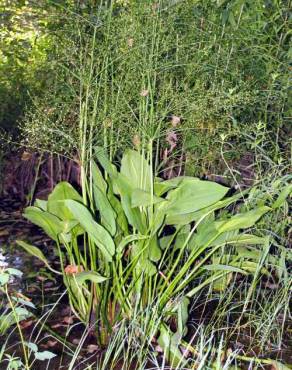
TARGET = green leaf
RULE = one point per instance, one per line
(97, 177)
(134, 216)
(56, 204)
(4, 278)
(220, 285)
(34, 251)
(129, 239)
(102, 202)
(136, 170)
(32, 346)
(42, 204)
(142, 198)
(193, 195)
(44, 356)
(105, 163)
(154, 250)
(24, 302)
(210, 235)
(182, 316)
(162, 187)
(95, 231)
(250, 266)
(14, 272)
(141, 259)
(47, 221)
(108, 216)
(196, 216)
(243, 220)
(7, 320)
(229, 268)
(121, 219)
(247, 239)
(63, 191)
(286, 192)
(164, 241)
(92, 276)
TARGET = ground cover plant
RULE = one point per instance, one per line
(150, 145)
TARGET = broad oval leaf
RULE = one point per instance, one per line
(36, 252)
(162, 187)
(105, 162)
(92, 276)
(97, 177)
(129, 239)
(134, 216)
(285, 193)
(50, 223)
(4, 278)
(107, 214)
(192, 195)
(136, 170)
(45, 355)
(95, 231)
(142, 198)
(243, 220)
(61, 192)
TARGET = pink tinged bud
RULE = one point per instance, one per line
(172, 139)
(144, 93)
(175, 120)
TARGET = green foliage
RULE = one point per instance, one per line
(24, 43)
(124, 268)
(124, 70)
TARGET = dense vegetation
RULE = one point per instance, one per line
(153, 149)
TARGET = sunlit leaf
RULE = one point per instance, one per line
(142, 198)
(96, 232)
(136, 170)
(45, 355)
(243, 220)
(285, 193)
(50, 223)
(192, 195)
(36, 252)
(92, 276)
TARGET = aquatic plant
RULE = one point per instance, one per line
(134, 240)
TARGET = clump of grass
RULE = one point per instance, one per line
(207, 64)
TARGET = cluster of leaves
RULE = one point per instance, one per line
(121, 244)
